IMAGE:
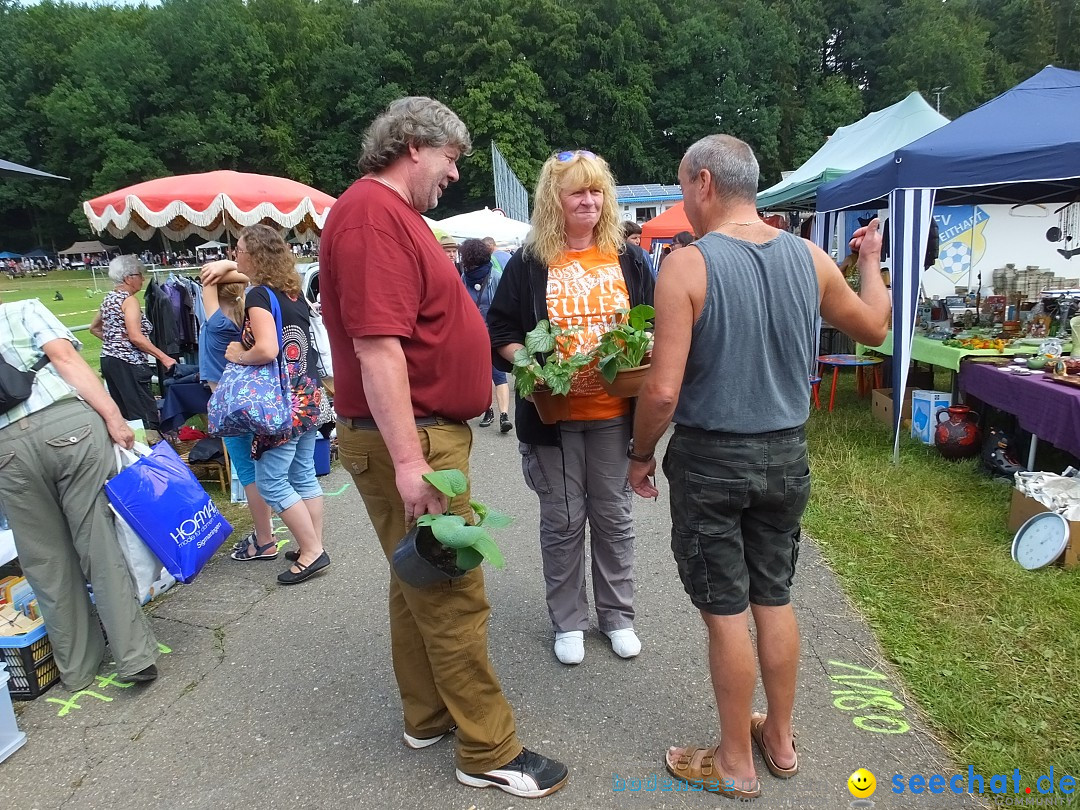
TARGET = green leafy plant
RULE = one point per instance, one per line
(625, 344)
(555, 372)
(472, 544)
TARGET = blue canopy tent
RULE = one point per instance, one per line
(1021, 147)
(7, 254)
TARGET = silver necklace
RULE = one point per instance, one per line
(733, 222)
(386, 183)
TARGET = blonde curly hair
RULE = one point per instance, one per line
(271, 259)
(548, 236)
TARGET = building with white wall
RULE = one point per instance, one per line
(643, 202)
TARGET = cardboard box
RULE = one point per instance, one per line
(882, 407)
(1024, 507)
(924, 410)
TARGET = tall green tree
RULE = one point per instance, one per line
(111, 96)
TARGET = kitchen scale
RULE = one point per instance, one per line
(1041, 540)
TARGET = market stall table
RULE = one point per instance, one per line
(936, 353)
(1049, 411)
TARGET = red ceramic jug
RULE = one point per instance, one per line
(957, 434)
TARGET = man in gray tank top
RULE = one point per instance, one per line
(736, 321)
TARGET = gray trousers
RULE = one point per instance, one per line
(53, 467)
(583, 479)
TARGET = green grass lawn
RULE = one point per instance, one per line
(989, 650)
(80, 304)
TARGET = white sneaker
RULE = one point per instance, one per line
(570, 646)
(625, 643)
(417, 743)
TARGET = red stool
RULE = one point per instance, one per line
(815, 383)
(855, 361)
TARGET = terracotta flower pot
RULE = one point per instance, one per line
(552, 408)
(420, 560)
(627, 382)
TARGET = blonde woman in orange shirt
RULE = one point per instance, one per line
(575, 271)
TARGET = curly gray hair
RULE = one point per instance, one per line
(123, 266)
(411, 121)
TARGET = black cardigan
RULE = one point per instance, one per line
(521, 302)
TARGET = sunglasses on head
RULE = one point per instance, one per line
(562, 157)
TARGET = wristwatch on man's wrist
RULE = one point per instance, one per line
(630, 454)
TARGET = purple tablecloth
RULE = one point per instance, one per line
(1049, 410)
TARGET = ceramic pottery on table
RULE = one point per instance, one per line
(957, 434)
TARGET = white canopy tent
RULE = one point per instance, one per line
(485, 222)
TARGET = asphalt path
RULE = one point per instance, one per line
(279, 697)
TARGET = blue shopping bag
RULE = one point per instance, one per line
(168, 508)
(253, 399)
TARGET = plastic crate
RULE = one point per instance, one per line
(30, 663)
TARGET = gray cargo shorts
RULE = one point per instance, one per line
(736, 504)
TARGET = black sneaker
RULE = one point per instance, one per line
(489, 417)
(528, 775)
(142, 676)
(504, 424)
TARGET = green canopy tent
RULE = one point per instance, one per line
(852, 147)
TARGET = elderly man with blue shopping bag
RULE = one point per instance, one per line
(55, 457)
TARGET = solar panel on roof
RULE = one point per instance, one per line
(647, 190)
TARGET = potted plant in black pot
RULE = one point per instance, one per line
(547, 383)
(622, 355)
(444, 547)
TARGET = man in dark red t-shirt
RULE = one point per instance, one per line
(412, 362)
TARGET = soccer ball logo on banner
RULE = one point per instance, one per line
(955, 259)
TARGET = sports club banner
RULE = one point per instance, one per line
(961, 238)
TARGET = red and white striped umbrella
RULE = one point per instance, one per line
(208, 205)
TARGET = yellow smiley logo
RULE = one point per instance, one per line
(862, 784)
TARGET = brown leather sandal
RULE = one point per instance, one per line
(757, 721)
(695, 766)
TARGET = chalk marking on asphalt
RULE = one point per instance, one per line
(103, 682)
(69, 704)
(860, 696)
(110, 680)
